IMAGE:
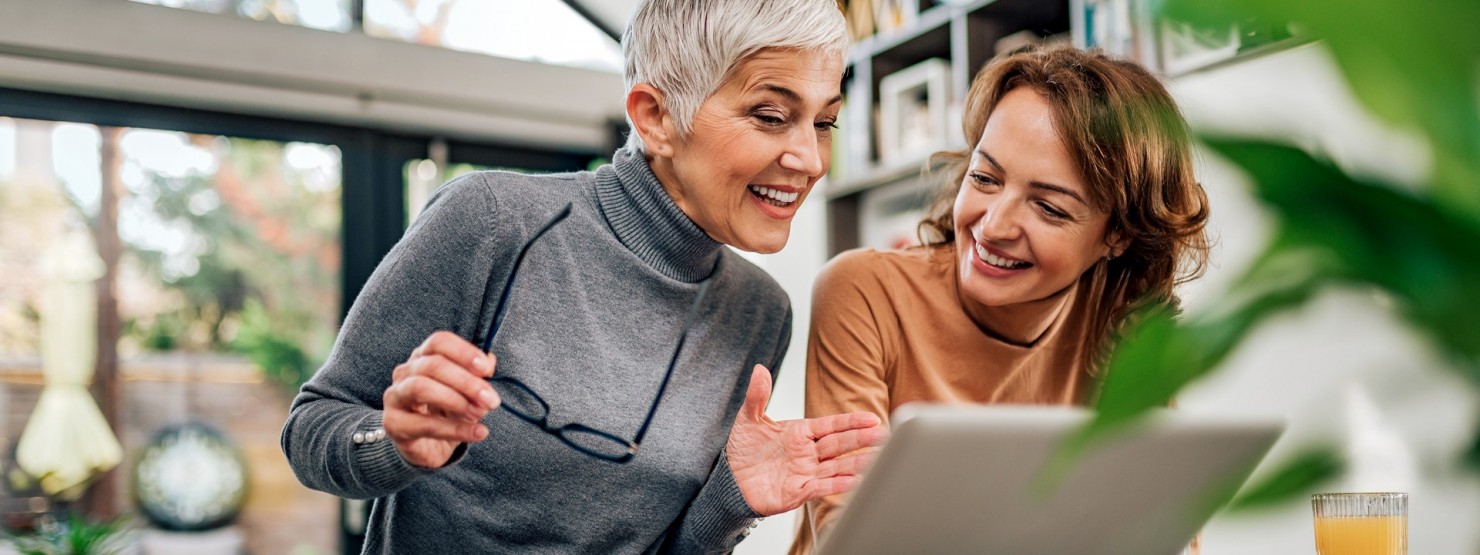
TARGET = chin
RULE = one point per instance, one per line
(769, 244)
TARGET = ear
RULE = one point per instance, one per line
(650, 119)
(1117, 242)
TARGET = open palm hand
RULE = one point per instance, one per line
(781, 465)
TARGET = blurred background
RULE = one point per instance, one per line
(192, 193)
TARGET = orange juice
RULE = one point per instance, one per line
(1362, 535)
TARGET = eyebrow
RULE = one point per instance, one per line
(1036, 184)
(792, 95)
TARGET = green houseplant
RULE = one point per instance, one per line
(1414, 65)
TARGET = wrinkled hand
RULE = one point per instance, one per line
(437, 398)
(781, 465)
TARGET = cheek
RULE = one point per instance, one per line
(962, 211)
(1075, 252)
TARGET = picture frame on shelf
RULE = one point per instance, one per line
(914, 113)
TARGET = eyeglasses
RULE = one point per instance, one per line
(523, 402)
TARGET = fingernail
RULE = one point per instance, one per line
(484, 365)
(479, 432)
(489, 399)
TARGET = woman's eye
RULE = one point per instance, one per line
(1053, 212)
(981, 179)
(770, 119)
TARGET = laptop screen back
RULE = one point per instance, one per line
(969, 479)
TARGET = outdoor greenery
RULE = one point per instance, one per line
(1415, 65)
(260, 276)
(77, 536)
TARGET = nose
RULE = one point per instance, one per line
(803, 154)
(1001, 220)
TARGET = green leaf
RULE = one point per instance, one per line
(1472, 456)
(1358, 232)
(1411, 63)
(1332, 230)
(1296, 478)
(1159, 355)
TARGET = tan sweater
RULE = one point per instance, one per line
(888, 329)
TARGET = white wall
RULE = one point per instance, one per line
(1343, 370)
(794, 267)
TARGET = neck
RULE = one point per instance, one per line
(1021, 324)
(645, 219)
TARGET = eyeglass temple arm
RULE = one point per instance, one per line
(672, 362)
(498, 313)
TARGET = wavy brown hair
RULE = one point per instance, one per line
(1134, 148)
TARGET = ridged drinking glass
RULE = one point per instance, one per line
(1361, 523)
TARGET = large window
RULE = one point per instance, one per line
(235, 247)
(225, 265)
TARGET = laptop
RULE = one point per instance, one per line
(970, 479)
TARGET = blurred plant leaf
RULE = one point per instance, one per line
(1333, 229)
(1159, 355)
(78, 536)
(1298, 476)
(1472, 457)
(1411, 246)
(276, 355)
(1411, 63)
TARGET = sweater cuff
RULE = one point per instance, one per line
(381, 466)
(726, 517)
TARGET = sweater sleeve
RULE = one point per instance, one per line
(433, 279)
(846, 363)
(720, 517)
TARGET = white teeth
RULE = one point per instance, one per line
(780, 197)
(997, 261)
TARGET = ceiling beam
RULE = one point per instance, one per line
(615, 34)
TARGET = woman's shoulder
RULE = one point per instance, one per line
(865, 266)
(507, 191)
(757, 286)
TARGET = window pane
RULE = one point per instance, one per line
(546, 31)
(328, 15)
(226, 273)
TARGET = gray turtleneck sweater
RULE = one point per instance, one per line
(592, 320)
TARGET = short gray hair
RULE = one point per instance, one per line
(687, 48)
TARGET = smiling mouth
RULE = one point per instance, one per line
(998, 261)
(773, 196)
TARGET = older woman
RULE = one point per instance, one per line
(1074, 204)
(555, 364)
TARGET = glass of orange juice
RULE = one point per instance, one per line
(1361, 523)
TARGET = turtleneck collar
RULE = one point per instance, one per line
(646, 220)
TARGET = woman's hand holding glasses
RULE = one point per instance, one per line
(781, 465)
(437, 399)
